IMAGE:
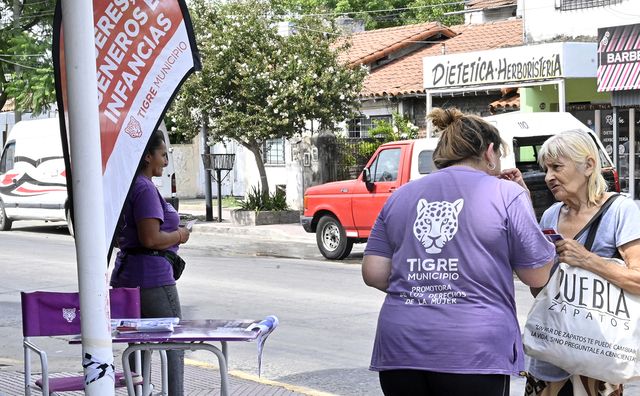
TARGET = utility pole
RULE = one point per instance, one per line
(206, 150)
(88, 197)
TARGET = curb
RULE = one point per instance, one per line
(264, 232)
(294, 388)
(258, 380)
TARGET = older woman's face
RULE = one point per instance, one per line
(565, 178)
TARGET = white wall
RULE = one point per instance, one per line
(276, 174)
(479, 17)
(378, 107)
(187, 167)
(543, 21)
(190, 173)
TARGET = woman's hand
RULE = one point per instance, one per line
(185, 233)
(514, 175)
(626, 277)
(573, 253)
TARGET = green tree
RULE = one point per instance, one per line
(257, 85)
(400, 128)
(26, 68)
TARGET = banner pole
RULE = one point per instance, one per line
(89, 222)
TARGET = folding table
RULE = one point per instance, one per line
(191, 335)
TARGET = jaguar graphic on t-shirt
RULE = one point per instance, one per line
(436, 223)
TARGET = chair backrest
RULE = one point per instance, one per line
(58, 313)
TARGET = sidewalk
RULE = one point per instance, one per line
(292, 232)
(199, 379)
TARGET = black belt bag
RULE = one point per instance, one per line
(176, 261)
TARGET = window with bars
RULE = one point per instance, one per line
(569, 5)
(359, 127)
(273, 152)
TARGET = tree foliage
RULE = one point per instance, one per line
(256, 84)
(26, 68)
(382, 13)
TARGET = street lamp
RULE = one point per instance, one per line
(219, 163)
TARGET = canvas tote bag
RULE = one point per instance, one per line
(586, 325)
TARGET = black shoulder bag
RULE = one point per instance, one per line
(594, 223)
(176, 261)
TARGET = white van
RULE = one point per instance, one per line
(526, 132)
(33, 176)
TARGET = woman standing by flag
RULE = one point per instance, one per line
(150, 232)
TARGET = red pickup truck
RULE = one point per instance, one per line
(342, 213)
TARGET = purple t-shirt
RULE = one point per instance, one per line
(454, 238)
(141, 270)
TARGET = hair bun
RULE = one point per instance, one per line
(442, 118)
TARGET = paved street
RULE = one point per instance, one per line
(327, 315)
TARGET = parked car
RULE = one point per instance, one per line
(342, 213)
(33, 183)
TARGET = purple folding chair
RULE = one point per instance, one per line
(46, 314)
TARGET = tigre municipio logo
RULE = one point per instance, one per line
(133, 128)
(69, 314)
(436, 223)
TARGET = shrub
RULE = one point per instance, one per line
(258, 201)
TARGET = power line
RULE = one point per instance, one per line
(21, 65)
(22, 55)
(396, 10)
(387, 10)
(315, 30)
(31, 3)
(43, 13)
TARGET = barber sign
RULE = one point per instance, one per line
(619, 58)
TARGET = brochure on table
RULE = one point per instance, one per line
(144, 325)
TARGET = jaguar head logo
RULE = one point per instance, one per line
(436, 223)
(133, 128)
(69, 314)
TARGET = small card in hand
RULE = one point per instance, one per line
(552, 235)
(189, 224)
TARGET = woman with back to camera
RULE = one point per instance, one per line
(444, 248)
(151, 226)
(574, 176)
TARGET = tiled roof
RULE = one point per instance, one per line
(484, 4)
(367, 47)
(507, 104)
(403, 76)
(509, 101)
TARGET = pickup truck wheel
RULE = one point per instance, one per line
(5, 222)
(332, 239)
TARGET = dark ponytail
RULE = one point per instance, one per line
(462, 137)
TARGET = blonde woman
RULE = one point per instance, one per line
(571, 162)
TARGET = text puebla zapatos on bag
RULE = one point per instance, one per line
(585, 325)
